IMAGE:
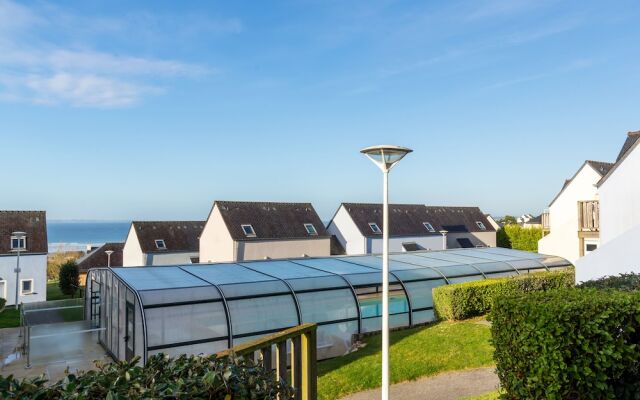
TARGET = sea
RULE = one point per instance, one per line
(77, 235)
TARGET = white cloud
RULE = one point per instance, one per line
(35, 69)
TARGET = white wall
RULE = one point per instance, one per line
(31, 267)
(167, 258)
(563, 238)
(216, 244)
(395, 243)
(259, 249)
(620, 198)
(477, 238)
(347, 233)
(132, 255)
(612, 258)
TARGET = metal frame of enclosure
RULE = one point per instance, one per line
(206, 308)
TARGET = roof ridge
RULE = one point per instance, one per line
(261, 202)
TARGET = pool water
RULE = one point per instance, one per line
(373, 307)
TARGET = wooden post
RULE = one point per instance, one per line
(296, 366)
(309, 366)
(281, 360)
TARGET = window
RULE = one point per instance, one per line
(410, 246)
(26, 286)
(590, 247)
(429, 227)
(311, 230)
(374, 227)
(18, 243)
(248, 231)
(481, 226)
(160, 244)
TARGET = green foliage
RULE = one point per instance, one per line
(3, 302)
(184, 377)
(465, 300)
(568, 344)
(628, 282)
(516, 237)
(69, 282)
(9, 318)
(508, 219)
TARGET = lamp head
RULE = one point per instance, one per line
(109, 252)
(19, 235)
(385, 156)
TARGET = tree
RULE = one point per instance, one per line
(69, 278)
(508, 220)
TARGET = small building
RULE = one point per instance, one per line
(162, 243)
(237, 231)
(574, 216)
(98, 257)
(535, 222)
(412, 227)
(33, 256)
(618, 217)
(206, 308)
(492, 221)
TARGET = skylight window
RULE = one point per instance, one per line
(311, 230)
(429, 227)
(374, 227)
(160, 245)
(481, 226)
(248, 231)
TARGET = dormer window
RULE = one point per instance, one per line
(160, 245)
(429, 227)
(481, 226)
(375, 228)
(18, 243)
(311, 230)
(248, 231)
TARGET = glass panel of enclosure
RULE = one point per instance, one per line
(513, 253)
(528, 266)
(420, 260)
(481, 253)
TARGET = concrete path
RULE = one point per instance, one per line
(447, 386)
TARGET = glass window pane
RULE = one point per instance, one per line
(166, 325)
(267, 313)
(327, 305)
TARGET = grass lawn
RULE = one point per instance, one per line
(417, 352)
(9, 318)
(54, 292)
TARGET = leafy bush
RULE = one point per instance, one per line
(69, 278)
(517, 237)
(184, 377)
(3, 302)
(465, 300)
(56, 259)
(628, 282)
(568, 344)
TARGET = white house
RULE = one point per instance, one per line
(619, 192)
(33, 256)
(358, 227)
(573, 218)
(237, 231)
(162, 243)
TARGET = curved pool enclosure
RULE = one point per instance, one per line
(205, 308)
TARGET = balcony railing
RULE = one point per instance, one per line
(589, 216)
(545, 221)
(300, 371)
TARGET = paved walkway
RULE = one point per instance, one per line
(447, 386)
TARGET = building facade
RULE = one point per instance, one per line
(412, 227)
(32, 284)
(238, 231)
(162, 243)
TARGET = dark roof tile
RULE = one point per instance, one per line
(98, 257)
(34, 223)
(178, 236)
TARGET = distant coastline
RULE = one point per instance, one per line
(76, 235)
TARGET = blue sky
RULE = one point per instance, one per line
(110, 110)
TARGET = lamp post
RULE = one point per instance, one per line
(21, 238)
(109, 253)
(385, 157)
(444, 238)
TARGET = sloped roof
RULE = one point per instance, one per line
(178, 236)
(630, 143)
(601, 167)
(408, 219)
(98, 257)
(33, 223)
(270, 220)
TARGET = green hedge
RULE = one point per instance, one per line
(568, 344)
(629, 282)
(516, 237)
(184, 377)
(465, 300)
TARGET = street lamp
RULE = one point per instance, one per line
(385, 157)
(444, 238)
(20, 237)
(109, 253)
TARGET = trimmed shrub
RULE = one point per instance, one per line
(3, 302)
(568, 344)
(517, 237)
(465, 300)
(69, 278)
(628, 282)
(184, 377)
